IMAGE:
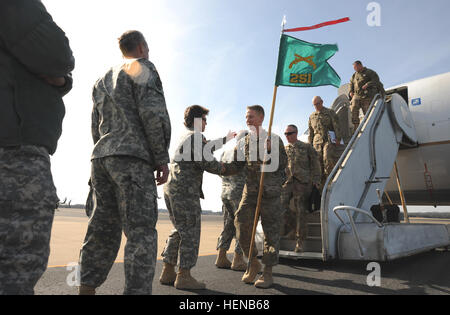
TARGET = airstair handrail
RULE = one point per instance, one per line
(373, 161)
(349, 145)
(352, 222)
(336, 168)
(380, 225)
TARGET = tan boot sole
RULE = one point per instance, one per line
(169, 281)
(263, 284)
(249, 277)
(188, 283)
(265, 281)
(190, 286)
(241, 267)
(167, 278)
(222, 260)
(223, 264)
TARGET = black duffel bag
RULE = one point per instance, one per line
(314, 200)
(392, 213)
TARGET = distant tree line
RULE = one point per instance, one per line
(81, 206)
(431, 215)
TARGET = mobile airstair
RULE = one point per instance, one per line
(348, 230)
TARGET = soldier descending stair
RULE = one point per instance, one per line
(322, 123)
(364, 85)
(303, 171)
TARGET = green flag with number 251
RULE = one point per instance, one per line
(304, 64)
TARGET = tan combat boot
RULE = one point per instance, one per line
(299, 246)
(250, 275)
(185, 281)
(266, 279)
(222, 260)
(86, 290)
(168, 274)
(238, 263)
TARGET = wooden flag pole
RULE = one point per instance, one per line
(261, 182)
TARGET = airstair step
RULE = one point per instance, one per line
(310, 245)
(302, 255)
(313, 217)
(314, 229)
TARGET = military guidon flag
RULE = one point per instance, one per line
(303, 64)
(299, 64)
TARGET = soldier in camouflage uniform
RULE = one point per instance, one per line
(249, 155)
(35, 65)
(182, 194)
(364, 85)
(131, 131)
(232, 187)
(303, 171)
(321, 122)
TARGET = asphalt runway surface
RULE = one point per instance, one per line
(423, 274)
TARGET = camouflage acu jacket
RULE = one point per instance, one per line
(320, 123)
(130, 115)
(191, 159)
(369, 77)
(232, 186)
(248, 156)
(303, 163)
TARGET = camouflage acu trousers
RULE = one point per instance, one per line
(229, 208)
(184, 241)
(271, 223)
(356, 104)
(125, 192)
(299, 193)
(327, 156)
(27, 205)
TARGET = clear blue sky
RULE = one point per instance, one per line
(223, 55)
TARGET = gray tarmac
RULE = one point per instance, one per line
(423, 274)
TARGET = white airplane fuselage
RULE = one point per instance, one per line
(412, 133)
(425, 169)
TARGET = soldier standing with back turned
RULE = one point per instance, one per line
(131, 132)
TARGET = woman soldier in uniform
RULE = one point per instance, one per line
(182, 194)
